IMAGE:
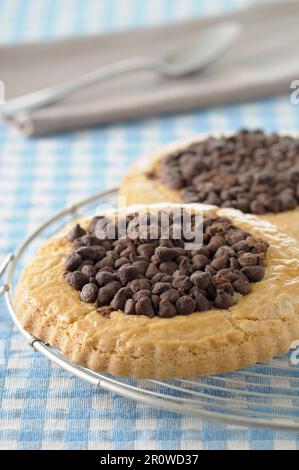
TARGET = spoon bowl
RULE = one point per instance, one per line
(201, 51)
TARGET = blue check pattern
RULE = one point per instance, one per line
(42, 406)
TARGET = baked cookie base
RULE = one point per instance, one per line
(261, 324)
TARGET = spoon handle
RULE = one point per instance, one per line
(47, 96)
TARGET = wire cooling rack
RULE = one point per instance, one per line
(265, 395)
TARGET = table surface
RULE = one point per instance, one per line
(42, 406)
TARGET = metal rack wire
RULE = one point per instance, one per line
(265, 395)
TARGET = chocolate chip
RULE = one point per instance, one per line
(128, 252)
(220, 262)
(185, 266)
(210, 270)
(213, 198)
(229, 273)
(200, 261)
(121, 262)
(182, 282)
(185, 305)
(257, 245)
(86, 262)
(103, 277)
(144, 306)
(248, 259)
(141, 293)
(241, 246)
(89, 271)
(167, 278)
(119, 247)
(108, 260)
(155, 301)
(202, 303)
(129, 307)
(253, 273)
(140, 284)
(226, 251)
(242, 286)
(202, 250)
(168, 267)
(155, 260)
(146, 250)
(141, 266)
(166, 309)
(95, 253)
(127, 274)
(157, 278)
(77, 279)
(221, 281)
(256, 207)
(89, 293)
(273, 205)
(173, 180)
(211, 292)
(77, 244)
(177, 273)
(90, 240)
(107, 244)
(215, 243)
(233, 263)
(160, 287)
(170, 295)
(165, 254)
(93, 223)
(113, 286)
(107, 293)
(223, 299)
(287, 202)
(151, 271)
(234, 236)
(76, 232)
(201, 279)
(119, 300)
(73, 262)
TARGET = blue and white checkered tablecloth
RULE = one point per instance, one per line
(42, 406)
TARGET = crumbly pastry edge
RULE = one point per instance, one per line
(136, 186)
(259, 326)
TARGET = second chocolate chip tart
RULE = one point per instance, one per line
(150, 304)
(252, 171)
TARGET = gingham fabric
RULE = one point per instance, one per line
(42, 406)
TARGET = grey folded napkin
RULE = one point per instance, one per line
(262, 63)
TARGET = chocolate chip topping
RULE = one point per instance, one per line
(150, 277)
(89, 293)
(76, 232)
(250, 171)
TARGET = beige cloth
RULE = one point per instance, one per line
(263, 63)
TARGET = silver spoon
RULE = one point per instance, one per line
(197, 54)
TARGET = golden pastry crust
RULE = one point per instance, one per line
(259, 326)
(137, 187)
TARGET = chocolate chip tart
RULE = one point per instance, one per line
(158, 307)
(251, 171)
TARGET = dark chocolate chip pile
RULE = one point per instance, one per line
(160, 277)
(250, 171)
